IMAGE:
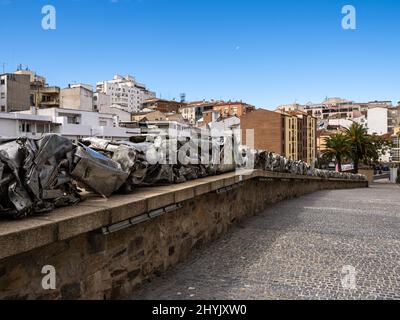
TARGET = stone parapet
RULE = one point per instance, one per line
(104, 248)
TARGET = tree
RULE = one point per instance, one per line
(364, 147)
(357, 136)
(337, 146)
(376, 146)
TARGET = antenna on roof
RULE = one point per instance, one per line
(4, 67)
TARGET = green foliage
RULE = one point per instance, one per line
(356, 144)
(337, 147)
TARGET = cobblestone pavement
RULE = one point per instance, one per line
(297, 250)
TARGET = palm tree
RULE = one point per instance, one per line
(359, 143)
(337, 146)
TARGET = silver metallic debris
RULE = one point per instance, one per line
(35, 175)
(98, 172)
(38, 175)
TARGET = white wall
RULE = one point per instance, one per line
(378, 121)
(101, 100)
(77, 97)
(8, 127)
(23, 125)
(121, 115)
(126, 92)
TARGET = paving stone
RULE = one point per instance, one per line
(297, 250)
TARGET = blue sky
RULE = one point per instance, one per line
(263, 52)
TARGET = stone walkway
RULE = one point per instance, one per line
(299, 249)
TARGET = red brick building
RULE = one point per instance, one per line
(268, 129)
(165, 106)
(232, 109)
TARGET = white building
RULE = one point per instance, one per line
(77, 97)
(344, 123)
(378, 121)
(102, 103)
(119, 114)
(77, 124)
(189, 113)
(101, 100)
(125, 92)
(14, 125)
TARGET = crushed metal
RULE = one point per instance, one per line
(39, 175)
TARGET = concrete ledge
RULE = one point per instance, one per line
(94, 213)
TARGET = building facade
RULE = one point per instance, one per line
(13, 125)
(101, 101)
(268, 128)
(378, 121)
(193, 112)
(41, 94)
(125, 92)
(75, 124)
(395, 152)
(14, 92)
(290, 134)
(233, 109)
(78, 97)
(162, 105)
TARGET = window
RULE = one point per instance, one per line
(42, 128)
(3, 108)
(103, 123)
(3, 95)
(25, 127)
(72, 120)
(2, 81)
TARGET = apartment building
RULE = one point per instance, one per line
(268, 128)
(311, 144)
(378, 121)
(14, 125)
(233, 109)
(125, 92)
(78, 97)
(41, 94)
(393, 118)
(149, 116)
(395, 152)
(335, 108)
(75, 124)
(14, 92)
(210, 116)
(101, 101)
(163, 105)
(193, 112)
(292, 134)
(292, 145)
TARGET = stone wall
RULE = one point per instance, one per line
(96, 266)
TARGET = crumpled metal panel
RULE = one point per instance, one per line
(38, 175)
(35, 175)
(98, 172)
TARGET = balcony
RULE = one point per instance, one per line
(50, 103)
(50, 90)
